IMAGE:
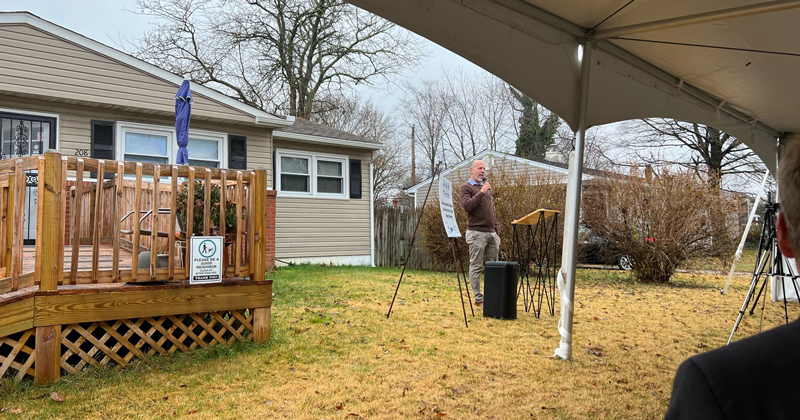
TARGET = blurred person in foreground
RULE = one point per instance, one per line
(482, 236)
(757, 377)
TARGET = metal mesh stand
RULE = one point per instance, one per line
(535, 250)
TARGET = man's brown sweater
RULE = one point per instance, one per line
(479, 208)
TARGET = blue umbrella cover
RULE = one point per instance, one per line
(183, 112)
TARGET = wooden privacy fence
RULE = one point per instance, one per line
(65, 311)
(394, 227)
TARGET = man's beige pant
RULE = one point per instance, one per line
(483, 246)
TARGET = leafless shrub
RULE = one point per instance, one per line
(661, 222)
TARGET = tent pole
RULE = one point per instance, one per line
(566, 278)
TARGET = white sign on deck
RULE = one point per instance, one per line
(446, 204)
(206, 255)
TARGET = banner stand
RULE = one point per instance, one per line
(453, 233)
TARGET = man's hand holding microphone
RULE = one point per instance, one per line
(486, 186)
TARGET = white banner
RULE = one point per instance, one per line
(446, 204)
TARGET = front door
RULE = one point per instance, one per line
(26, 135)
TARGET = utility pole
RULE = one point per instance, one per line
(413, 158)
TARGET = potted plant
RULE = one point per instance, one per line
(199, 213)
(199, 207)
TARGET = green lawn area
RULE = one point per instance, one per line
(334, 355)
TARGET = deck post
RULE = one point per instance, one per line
(48, 354)
(261, 316)
(51, 248)
(261, 325)
(259, 220)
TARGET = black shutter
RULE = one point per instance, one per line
(274, 174)
(355, 178)
(237, 152)
(103, 143)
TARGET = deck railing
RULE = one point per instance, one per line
(147, 193)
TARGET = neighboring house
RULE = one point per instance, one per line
(497, 163)
(61, 90)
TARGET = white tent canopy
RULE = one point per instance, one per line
(730, 64)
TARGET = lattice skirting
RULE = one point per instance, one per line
(118, 342)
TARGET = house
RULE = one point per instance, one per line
(61, 90)
(498, 163)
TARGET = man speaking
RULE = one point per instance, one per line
(482, 235)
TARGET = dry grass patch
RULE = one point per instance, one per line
(334, 355)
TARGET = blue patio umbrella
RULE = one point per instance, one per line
(183, 112)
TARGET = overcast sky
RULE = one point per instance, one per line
(108, 21)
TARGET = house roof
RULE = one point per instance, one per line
(555, 167)
(26, 18)
(307, 131)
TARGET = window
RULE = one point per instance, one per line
(143, 147)
(158, 144)
(204, 150)
(295, 176)
(330, 177)
(311, 174)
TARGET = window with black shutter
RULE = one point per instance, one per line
(237, 152)
(355, 178)
(103, 143)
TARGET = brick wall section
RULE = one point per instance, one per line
(270, 230)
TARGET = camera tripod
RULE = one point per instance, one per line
(770, 263)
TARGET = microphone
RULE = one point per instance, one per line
(484, 181)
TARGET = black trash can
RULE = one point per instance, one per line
(500, 290)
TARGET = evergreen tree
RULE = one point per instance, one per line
(537, 128)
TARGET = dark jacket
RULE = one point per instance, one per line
(755, 378)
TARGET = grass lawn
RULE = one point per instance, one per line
(746, 263)
(335, 355)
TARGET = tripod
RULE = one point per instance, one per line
(770, 262)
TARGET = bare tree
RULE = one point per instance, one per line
(277, 55)
(497, 115)
(426, 108)
(710, 153)
(595, 153)
(480, 115)
(390, 170)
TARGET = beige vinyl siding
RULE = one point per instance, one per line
(36, 63)
(323, 227)
(75, 130)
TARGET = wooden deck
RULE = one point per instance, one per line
(65, 306)
(105, 258)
